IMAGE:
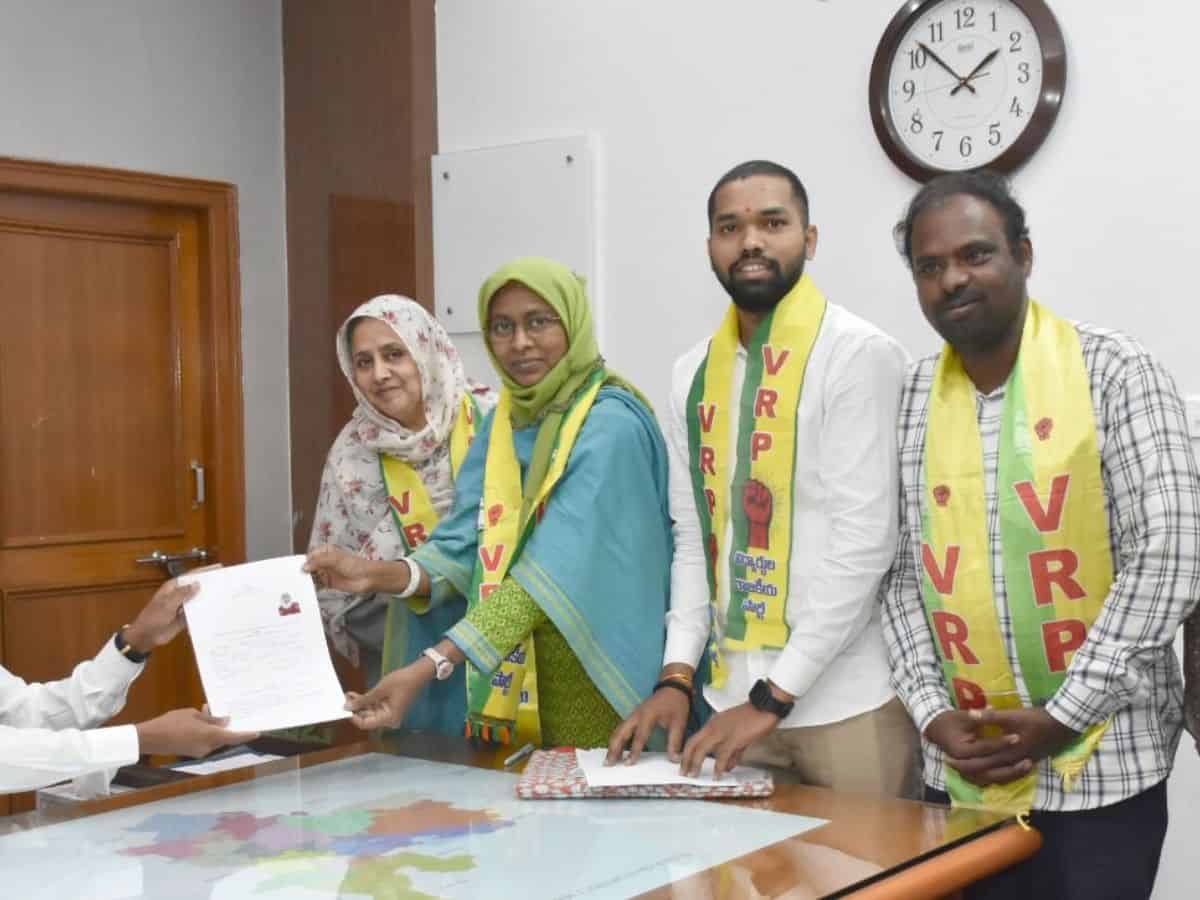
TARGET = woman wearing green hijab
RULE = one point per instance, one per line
(559, 537)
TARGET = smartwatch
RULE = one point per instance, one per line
(762, 698)
(442, 667)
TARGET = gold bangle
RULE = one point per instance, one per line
(680, 677)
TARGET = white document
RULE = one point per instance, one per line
(655, 768)
(260, 646)
(225, 763)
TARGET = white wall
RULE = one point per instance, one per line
(178, 88)
(677, 91)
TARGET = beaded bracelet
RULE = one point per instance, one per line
(685, 680)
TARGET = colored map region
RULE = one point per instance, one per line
(297, 844)
(379, 827)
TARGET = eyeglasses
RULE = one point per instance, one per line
(534, 326)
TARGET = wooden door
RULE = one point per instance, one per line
(120, 410)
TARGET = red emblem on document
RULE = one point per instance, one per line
(287, 605)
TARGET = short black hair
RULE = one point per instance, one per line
(990, 187)
(759, 167)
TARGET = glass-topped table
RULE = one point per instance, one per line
(424, 816)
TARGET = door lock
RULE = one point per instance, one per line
(174, 563)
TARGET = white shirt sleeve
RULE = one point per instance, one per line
(858, 465)
(42, 740)
(688, 618)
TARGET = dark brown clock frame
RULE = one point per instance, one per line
(1054, 82)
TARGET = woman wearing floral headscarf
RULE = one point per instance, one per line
(559, 537)
(389, 477)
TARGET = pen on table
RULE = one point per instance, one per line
(518, 756)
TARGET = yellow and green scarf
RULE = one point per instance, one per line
(751, 479)
(558, 404)
(415, 518)
(1053, 532)
(506, 700)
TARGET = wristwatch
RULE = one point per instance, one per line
(442, 667)
(762, 698)
(126, 650)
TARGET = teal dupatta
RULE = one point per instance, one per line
(599, 561)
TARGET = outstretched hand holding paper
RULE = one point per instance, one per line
(256, 630)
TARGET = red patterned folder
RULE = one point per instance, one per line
(554, 775)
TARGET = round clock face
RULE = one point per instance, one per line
(963, 82)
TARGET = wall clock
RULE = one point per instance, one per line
(963, 84)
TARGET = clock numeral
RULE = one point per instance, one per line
(964, 146)
(993, 20)
(1023, 73)
(1014, 42)
(937, 140)
(966, 17)
(916, 58)
(910, 90)
(994, 134)
(935, 32)
(915, 125)
(1015, 108)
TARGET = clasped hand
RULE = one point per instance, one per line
(1026, 736)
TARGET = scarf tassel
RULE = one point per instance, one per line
(1070, 768)
(487, 732)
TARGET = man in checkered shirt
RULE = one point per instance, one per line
(965, 239)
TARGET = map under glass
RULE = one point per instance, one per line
(379, 826)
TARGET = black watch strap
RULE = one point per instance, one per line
(762, 698)
(127, 651)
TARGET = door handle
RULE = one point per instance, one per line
(198, 472)
(174, 563)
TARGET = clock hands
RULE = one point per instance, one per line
(938, 88)
(962, 82)
(966, 82)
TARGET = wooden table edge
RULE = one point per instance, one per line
(949, 870)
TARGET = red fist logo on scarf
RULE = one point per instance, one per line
(758, 507)
(941, 495)
(1043, 428)
(494, 514)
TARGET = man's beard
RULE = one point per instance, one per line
(977, 333)
(763, 294)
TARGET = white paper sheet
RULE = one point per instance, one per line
(225, 763)
(260, 647)
(654, 768)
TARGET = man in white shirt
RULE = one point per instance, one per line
(784, 499)
(42, 740)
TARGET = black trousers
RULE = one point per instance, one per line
(1110, 853)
